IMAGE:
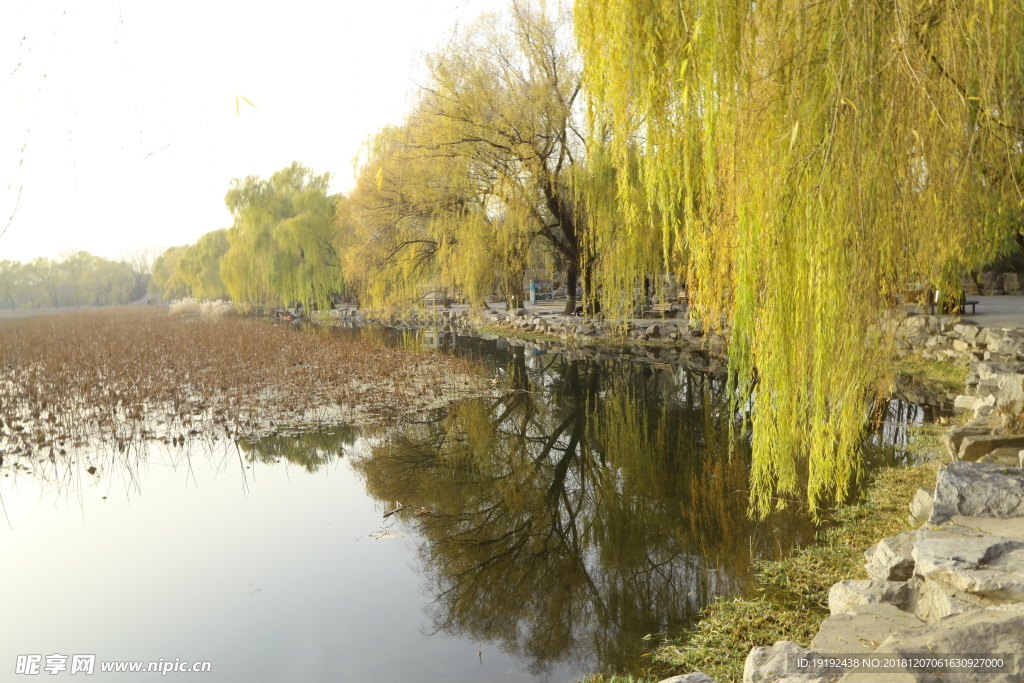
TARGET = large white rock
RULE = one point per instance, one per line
(971, 562)
(921, 505)
(772, 665)
(862, 631)
(978, 490)
(974, 447)
(932, 601)
(990, 631)
(844, 596)
(891, 559)
(695, 677)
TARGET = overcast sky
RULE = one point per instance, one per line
(118, 125)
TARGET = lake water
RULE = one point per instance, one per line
(542, 534)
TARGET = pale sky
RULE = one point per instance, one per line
(126, 110)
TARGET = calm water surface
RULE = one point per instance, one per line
(542, 535)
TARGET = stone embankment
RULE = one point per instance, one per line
(670, 340)
(955, 584)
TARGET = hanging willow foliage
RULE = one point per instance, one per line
(283, 244)
(481, 171)
(801, 163)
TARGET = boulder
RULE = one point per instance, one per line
(891, 558)
(921, 505)
(863, 630)
(978, 490)
(695, 677)
(974, 447)
(772, 664)
(981, 426)
(1002, 380)
(1011, 282)
(932, 602)
(1007, 456)
(978, 404)
(972, 562)
(966, 330)
(846, 595)
(991, 631)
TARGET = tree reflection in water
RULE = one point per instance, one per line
(591, 504)
(310, 450)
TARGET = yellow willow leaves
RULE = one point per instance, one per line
(801, 163)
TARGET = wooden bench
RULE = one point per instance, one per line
(961, 307)
(658, 310)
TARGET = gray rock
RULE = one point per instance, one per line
(695, 677)
(891, 558)
(976, 403)
(921, 505)
(863, 630)
(1012, 527)
(1007, 457)
(979, 632)
(1011, 282)
(978, 490)
(972, 562)
(653, 331)
(846, 595)
(1005, 381)
(966, 330)
(976, 427)
(771, 664)
(974, 447)
(932, 602)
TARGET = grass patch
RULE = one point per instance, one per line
(951, 376)
(792, 598)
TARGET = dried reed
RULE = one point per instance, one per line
(118, 376)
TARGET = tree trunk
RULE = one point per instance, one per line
(572, 277)
(514, 289)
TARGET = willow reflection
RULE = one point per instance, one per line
(309, 450)
(586, 507)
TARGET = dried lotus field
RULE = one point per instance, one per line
(118, 376)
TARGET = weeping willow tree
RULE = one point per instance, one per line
(481, 172)
(283, 244)
(167, 283)
(199, 266)
(800, 163)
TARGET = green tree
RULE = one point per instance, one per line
(167, 283)
(486, 163)
(805, 160)
(282, 246)
(199, 266)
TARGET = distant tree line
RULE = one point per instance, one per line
(75, 279)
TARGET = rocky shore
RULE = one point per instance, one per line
(672, 341)
(952, 586)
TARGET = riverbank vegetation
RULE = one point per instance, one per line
(792, 595)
